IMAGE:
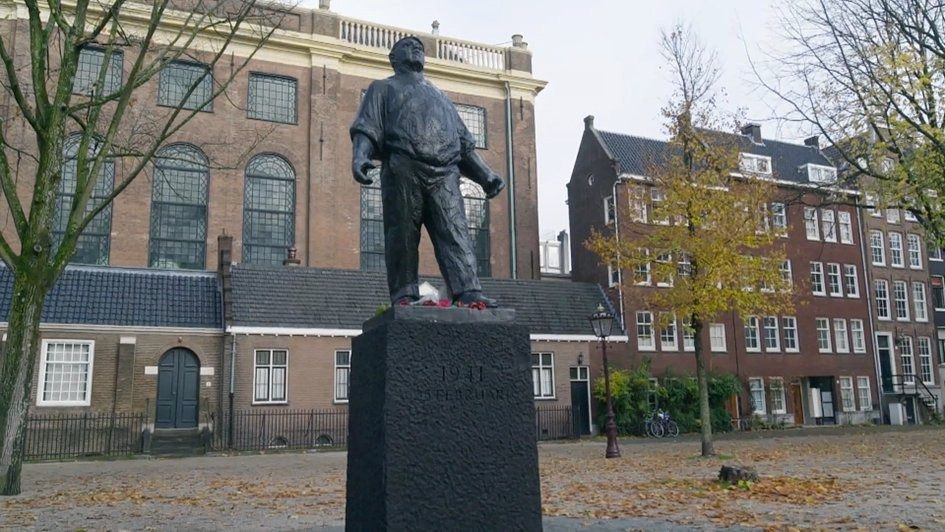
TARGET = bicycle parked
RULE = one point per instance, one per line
(660, 424)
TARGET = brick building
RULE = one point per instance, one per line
(814, 366)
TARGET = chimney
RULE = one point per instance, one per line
(324, 4)
(565, 251)
(518, 41)
(589, 122)
(224, 267)
(292, 258)
(813, 142)
(753, 131)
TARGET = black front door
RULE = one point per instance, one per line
(885, 362)
(178, 384)
(580, 401)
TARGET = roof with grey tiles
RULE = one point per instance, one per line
(638, 155)
(343, 299)
(85, 295)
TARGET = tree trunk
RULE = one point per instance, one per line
(702, 380)
(16, 373)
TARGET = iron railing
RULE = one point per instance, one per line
(554, 423)
(258, 430)
(58, 436)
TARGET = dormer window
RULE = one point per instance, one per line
(821, 174)
(755, 164)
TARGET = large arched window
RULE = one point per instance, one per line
(477, 218)
(93, 244)
(268, 210)
(372, 225)
(179, 208)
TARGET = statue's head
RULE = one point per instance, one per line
(407, 54)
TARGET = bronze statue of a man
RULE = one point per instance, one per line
(414, 130)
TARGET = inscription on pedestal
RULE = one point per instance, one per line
(466, 382)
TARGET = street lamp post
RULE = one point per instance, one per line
(602, 322)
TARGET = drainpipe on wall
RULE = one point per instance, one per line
(867, 291)
(623, 322)
(229, 426)
(510, 161)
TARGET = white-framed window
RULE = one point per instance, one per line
(941, 345)
(668, 337)
(641, 271)
(684, 265)
(901, 297)
(915, 251)
(851, 282)
(663, 260)
(637, 202)
(610, 210)
(858, 336)
(756, 387)
(892, 215)
(613, 275)
(881, 290)
(909, 216)
(786, 274)
(829, 222)
(908, 363)
(717, 337)
(269, 380)
(863, 389)
(834, 282)
(755, 164)
(65, 373)
(821, 174)
(657, 198)
(776, 385)
(846, 394)
(771, 336)
(840, 339)
(779, 218)
(823, 335)
(871, 206)
(925, 360)
(811, 225)
(543, 375)
(817, 279)
(918, 301)
(895, 250)
(645, 340)
(688, 336)
(789, 326)
(342, 375)
(846, 227)
(752, 337)
(935, 252)
(938, 292)
(877, 248)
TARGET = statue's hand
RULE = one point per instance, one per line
(360, 169)
(493, 186)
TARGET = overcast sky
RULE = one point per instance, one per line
(601, 58)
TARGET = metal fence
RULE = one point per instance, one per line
(257, 430)
(554, 423)
(51, 436)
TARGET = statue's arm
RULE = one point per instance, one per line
(473, 167)
(361, 160)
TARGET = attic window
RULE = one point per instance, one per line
(755, 164)
(821, 174)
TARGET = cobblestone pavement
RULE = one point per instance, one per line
(869, 478)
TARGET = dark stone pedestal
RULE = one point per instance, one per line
(442, 423)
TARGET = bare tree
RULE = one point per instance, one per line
(46, 99)
(869, 75)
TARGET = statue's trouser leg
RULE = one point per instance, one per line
(445, 218)
(402, 198)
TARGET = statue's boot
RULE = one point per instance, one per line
(472, 297)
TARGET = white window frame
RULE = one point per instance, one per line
(818, 173)
(871, 206)
(877, 248)
(40, 387)
(638, 208)
(665, 259)
(776, 386)
(817, 278)
(787, 273)
(610, 210)
(611, 271)
(845, 225)
(643, 266)
(896, 256)
(753, 327)
(847, 394)
(941, 288)
(935, 252)
(892, 215)
(920, 301)
(834, 280)
(657, 196)
(851, 282)
(714, 329)
(823, 335)
(901, 305)
(541, 368)
(750, 163)
(865, 400)
(343, 367)
(651, 344)
(914, 247)
(841, 339)
(828, 219)
(907, 352)
(766, 328)
(269, 400)
(857, 336)
(779, 218)
(795, 339)
(811, 223)
(689, 336)
(752, 388)
(881, 295)
(924, 348)
(667, 346)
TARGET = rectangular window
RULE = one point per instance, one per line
(915, 251)
(342, 375)
(272, 98)
(65, 373)
(829, 222)
(935, 252)
(834, 283)
(841, 341)
(909, 216)
(858, 336)
(892, 216)
(846, 394)
(684, 265)
(895, 250)
(664, 268)
(823, 335)
(756, 385)
(941, 346)
(901, 298)
(187, 85)
(821, 174)
(881, 289)
(645, 341)
(752, 342)
(657, 199)
(786, 274)
(613, 275)
(871, 206)
(755, 164)
(851, 283)
(779, 218)
(270, 376)
(789, 325)
(543, 375)
(610, 213)
(717, 337)
(938, 292)
(89, 67)
(811, 224)
(918, 301)
(846, 227)
(908, 363)
(877, 248)
(925, 360)
(475, 120)
(777, 395)
(689, 336)
(863, 389)
(772, 338)
(641, 271)
(638, 204)
(817, 279)
(668, 338)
